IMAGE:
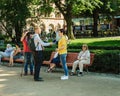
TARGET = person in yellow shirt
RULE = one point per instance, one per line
(62, 50)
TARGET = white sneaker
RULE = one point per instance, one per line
(64, 77)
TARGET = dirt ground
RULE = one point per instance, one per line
(91, 84)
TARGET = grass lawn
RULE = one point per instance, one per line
(106, 41)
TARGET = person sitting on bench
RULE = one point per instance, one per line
(54, 62)
(7, 52)
(83, 58)
(16, 54)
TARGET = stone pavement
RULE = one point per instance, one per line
(92, 84)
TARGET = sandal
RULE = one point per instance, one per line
(49, 70)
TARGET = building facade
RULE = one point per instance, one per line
(48, 22)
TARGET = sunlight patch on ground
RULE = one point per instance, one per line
(1, 70)
(1, 86)
(7, 74)
(3, 79)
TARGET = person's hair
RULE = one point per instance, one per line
(31, 31)
(25, 30)
(9, 45)
(17, 45)
(34, 25)
(14, 48)
(85, 45)
(62, 31)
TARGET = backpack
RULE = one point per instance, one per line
(31, 44)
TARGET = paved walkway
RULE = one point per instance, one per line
(92, 84)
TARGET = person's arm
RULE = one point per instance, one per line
(38, 39)
(87, 56)
(63, 45)
(23, 36)
(79, 55)
(17, 51)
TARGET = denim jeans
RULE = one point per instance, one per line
(3, 54)
(63, 60)
(28, 61)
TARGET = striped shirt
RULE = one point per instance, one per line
(39, 43)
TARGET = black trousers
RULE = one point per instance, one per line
(38, 60)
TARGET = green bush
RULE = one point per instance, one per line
(78, 46)
(105, 61)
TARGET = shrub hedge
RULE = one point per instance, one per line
(105, 61)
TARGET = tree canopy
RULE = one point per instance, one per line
(15, 12)
(13, 17)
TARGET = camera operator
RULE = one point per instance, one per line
(27, 52)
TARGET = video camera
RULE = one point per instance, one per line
(31, 31)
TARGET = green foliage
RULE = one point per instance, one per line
(105, 61)
(14, 13)
(1, 37)
(70, 8)
(85, 5)
(109, 8)
(107, 54)
(98, 42)
(106, 50)
(46, 7)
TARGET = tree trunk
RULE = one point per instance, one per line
(67, 13)
(69, 27)
(18, 32)
(95, 20)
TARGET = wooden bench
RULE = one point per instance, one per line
(6, 59)
(71, 57)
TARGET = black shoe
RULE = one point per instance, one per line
(25, 74)
(72, 74)
(38, 79)
(31, 73)
(80, 74)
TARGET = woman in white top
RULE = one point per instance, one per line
(83, 58)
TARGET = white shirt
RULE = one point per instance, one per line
(84, 55)
(56, 54)
(57, 36)
(39, 43)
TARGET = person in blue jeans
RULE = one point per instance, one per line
(28, 62)
(28, 57)
(62, 50)
(63, 60)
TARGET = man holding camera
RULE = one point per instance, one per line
(27, 52)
